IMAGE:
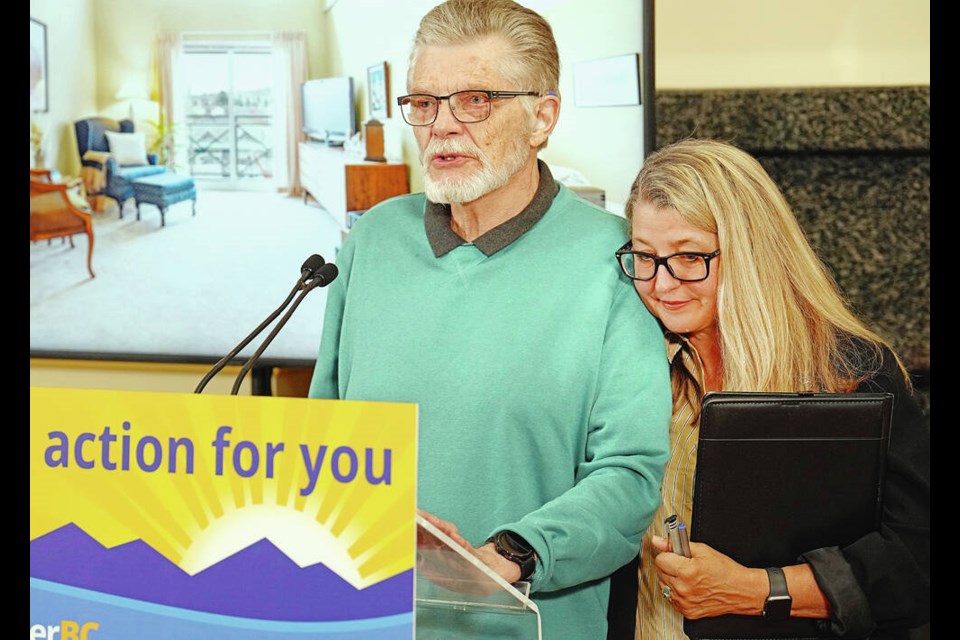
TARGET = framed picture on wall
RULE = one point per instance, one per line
(378, 92)
(607, 82)
(38, 66)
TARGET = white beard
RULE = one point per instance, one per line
(483, 181)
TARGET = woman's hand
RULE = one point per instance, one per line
(708, 583)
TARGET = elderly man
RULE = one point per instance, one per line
(491, 301)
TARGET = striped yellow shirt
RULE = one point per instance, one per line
(656, 618)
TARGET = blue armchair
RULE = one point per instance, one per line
(115, 180)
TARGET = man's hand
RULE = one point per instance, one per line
(506, 569)
(447, 527)
(447, 569)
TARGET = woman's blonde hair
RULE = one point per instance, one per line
(783, 322)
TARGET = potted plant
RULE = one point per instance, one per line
(36, 145)
(161, 139)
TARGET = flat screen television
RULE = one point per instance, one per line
(329, 109)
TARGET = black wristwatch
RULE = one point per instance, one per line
(777, 606)
(516, 549)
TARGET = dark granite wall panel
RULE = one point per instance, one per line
(891, 119)
(869, 220)
(855, 166)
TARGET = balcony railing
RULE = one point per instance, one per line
(223, 146)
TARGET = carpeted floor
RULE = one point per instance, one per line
(193, 288)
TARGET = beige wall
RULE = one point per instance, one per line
(72, 81)
(605, 144)
(126, 28)
(95, 44)
(707, 44)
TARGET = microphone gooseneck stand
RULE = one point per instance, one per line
(307, 272)
(324, 276)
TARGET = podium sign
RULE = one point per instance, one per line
(163, 515)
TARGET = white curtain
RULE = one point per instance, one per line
(169, 49)
(290, 70)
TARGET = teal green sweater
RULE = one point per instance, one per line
(542, 385)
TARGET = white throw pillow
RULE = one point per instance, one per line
(127, 148)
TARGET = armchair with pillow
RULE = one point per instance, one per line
(112, 156)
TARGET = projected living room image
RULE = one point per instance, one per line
(187, 160)
(173, 220)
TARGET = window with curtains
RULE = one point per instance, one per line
(228, 88)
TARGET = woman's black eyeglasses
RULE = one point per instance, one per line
(686, 266)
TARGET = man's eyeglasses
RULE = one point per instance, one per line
(686, 266)
(420, 109)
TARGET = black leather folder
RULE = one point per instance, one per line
(779, 474)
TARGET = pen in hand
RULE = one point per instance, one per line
(676, 532)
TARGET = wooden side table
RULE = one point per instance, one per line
(342, 182)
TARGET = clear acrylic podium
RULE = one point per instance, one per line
(452, 586)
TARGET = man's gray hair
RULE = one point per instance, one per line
(535, 61)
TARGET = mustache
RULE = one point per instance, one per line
(446, 146)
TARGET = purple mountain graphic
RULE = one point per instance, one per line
(258, 582)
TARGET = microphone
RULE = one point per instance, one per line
(310, 265)
(308, 272)
(324, 276)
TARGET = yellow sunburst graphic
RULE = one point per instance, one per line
(201, 477)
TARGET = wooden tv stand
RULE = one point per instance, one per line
(343, 182)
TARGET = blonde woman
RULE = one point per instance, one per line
(718, 257)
